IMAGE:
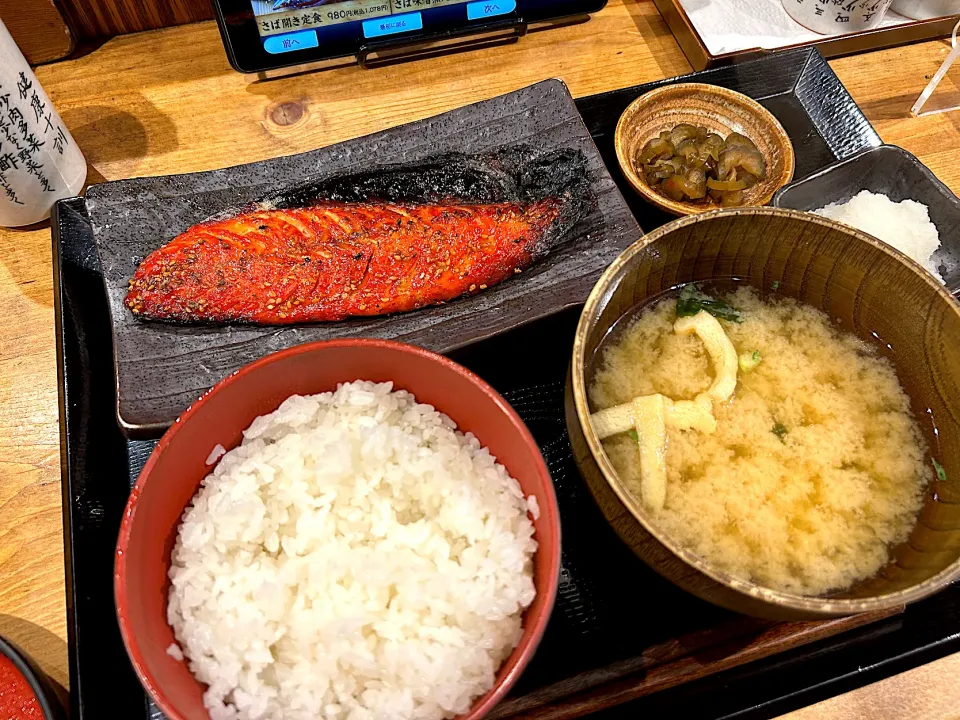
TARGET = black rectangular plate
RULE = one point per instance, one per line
(161, 368)
(610, 605)
(896, 173)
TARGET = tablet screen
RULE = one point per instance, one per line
(290, 25)
(265, 34)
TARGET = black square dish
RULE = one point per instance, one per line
(894, 172)
(132, 218)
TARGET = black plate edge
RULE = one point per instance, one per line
(788, 83)
(807, 64)
(883, 147)
(66, 473)
(85, 625)
(840, 101)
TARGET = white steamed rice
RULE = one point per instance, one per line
(355, 557)
(905, 225)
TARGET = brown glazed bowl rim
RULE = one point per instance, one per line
(802, 603)
(675, 207)
(533, 628)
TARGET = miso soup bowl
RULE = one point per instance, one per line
(871, 290)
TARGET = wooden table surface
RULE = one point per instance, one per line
(167, 101)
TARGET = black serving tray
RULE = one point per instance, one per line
(620, 636)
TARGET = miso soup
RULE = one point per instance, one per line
(803, 477)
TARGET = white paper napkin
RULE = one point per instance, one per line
(735, 25)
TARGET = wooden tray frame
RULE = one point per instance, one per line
(830, 46)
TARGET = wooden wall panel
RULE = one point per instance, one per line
(39, 30)
(106, 18)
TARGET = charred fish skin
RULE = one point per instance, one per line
(508, 174)
(335, 260)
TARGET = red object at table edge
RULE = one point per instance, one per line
(18, 701)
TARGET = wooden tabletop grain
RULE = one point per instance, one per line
(167, 101)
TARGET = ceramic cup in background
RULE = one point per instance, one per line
(926, 9)
(39, 159)
(832, 18)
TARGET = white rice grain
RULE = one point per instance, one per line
(355, 557)
(218, 452)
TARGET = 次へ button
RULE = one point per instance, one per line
(490, 8)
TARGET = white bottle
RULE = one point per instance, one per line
(926, 9)
(838, 17)
(40, 162)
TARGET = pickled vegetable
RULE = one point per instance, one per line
(726, 185)
(737, 140)
(692, 184)
(683, 131)
(657, 148)
(731, 199)
(750, 161)
(691, 164)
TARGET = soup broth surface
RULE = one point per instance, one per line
(817, 466)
